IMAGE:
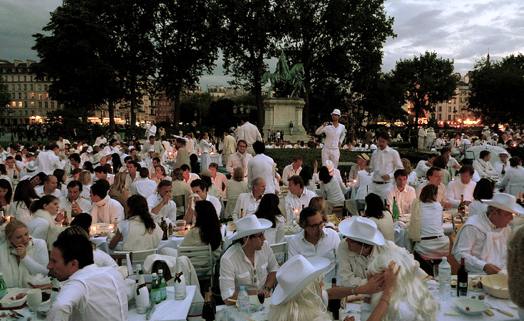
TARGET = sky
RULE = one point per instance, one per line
(462, 30)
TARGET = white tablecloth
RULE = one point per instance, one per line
(168, 310)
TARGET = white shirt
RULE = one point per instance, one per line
(288, 172)
(168, 211)
(40, 192)
(47, 162)
(249, 133)
(296, 203)
(236, 269)
(102, 259)
(477, 207)
(404, 198)
(66, 204)
(333, 192)
(364, 179)
(334, 135)
(513, 181)
(262, 166)
(325, 247)
(91, 294)
(107, 211)
(216, 203)
(422, 168)
(143, 186)
(456, 188)
(499, 166)
(431, 219)
(238, 160)
(247, 203)
(220, 182)
(385, 162)
(485, 169)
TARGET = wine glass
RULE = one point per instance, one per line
(34, 299)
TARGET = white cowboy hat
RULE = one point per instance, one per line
(296, 274)
(31, 167)
(336, 111)
(250, 225)
(361, 229)
(504, 153)
(506, 202)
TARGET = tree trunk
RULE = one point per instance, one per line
(111, 111)
(132, 111)
(307, 98)
(257, 92)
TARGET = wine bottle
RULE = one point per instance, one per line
(396, 211)
(461, 208)
(163, 226)
(462, 279)
(334, 304)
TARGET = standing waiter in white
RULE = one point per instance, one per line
(335, 134)
(384, 162)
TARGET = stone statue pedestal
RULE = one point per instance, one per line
(279, 113)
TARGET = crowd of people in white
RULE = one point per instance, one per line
(136, 187)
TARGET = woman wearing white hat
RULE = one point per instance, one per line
(335, 134)
(483, 239)
(249, 261)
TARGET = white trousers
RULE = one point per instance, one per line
(381, 190)
(333, 154)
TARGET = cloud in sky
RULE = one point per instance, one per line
(463, 30)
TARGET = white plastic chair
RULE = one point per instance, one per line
(136, 257)
(280, 252)
(202, 259)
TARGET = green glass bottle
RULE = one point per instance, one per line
(3, 286)
(396, 211)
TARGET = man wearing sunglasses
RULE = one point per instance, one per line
(314, 240)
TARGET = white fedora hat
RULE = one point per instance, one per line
(296, 274)
(361, 229)
(250, 225)
(506, 202)
(336, 111)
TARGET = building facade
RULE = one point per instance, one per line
(455, 110)
(29, 96)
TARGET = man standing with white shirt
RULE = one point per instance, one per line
(88, 292)
(461, 188)
(249, 133)
(229, 146)
(262, 166)
(48, 160)
(384, 162)
(335, 134)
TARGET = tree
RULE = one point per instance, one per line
(497, 89)
(424, 81)
(74, 50)
(248, 31)
(186, 45)
(339, 42)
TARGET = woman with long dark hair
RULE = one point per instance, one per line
(6, 194)
(46, 220)
(268, 209)
(138, 231)
(61, 180)
(375, 211)
(24, 195)
(206, 230)
(331, 188)
(117, 163)
(483, 191)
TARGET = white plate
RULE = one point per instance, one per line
(7, 302)
(470, 306)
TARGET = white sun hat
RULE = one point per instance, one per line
(250, 225)
(361, 229)
(296, 274)
(336, 111)
(506, 202)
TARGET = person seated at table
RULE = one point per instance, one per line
(425, 164)
(247, 203)
(46, 220)
(200, 193)
(88, 292)
(21, 256)
(411, 174)
(161, 204)
(72, 203)
(483, 191)
(440, 162)
(307, 176)
(410, 300)
(235, 186)
(248, 261)
(187, 176)
(515, 272)
(138, 231)
(269, 210)
(434, 176)
(292, 169)
(105, 209)
(118, 190)
(314, 239)
(403, 193)
(101, 172)
(159, 172)
(426, 230)
(206, 229)
(143, 185)
(376, 212)
(484, 167)
(331, 189)
(482, 241)
(6, 193)
(513, 181)
(297, 198)
(24, 196)
(49, 187)
(86, 179)
(218, 180)
(461, 188)
(81, 224)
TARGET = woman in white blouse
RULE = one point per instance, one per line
(376, 212)
(6, 194)
(205, 147)
(513, 182)
(483, 191)
(235, 186)
(268, 209)
(46, 221)
(21, 256)
(412, 175)
(24, 196)
(332, 189)
(138, 231)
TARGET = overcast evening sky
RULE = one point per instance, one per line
(463, 30)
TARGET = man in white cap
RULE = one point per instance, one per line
(335, 134)
(483, 239)
(249, 261)
(502, 166)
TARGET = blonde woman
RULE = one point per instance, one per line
(118, 190)
(235, 186)
(86, 179)
(412, 175)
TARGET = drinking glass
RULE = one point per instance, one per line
(34, 299)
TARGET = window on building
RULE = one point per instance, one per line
(439, 116)
(449, 109)
(440, 108)
(20, 104)
(449, 117)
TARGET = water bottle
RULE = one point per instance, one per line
(243, 300)
(162, 285)
(444, 278)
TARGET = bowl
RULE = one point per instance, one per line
(496, 285)
(470, 306)
(14, 298)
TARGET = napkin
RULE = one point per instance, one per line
(39, 279)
